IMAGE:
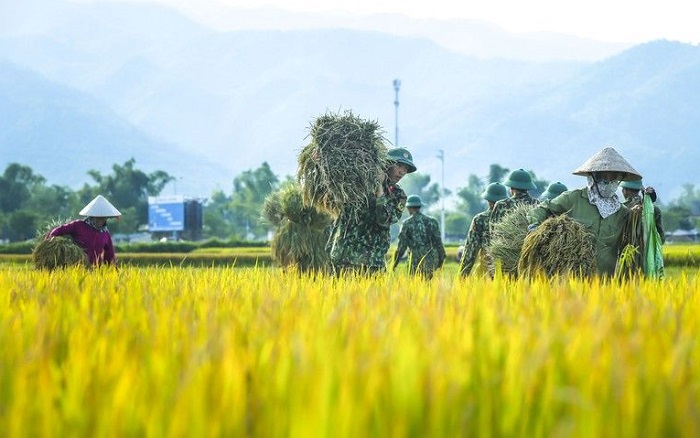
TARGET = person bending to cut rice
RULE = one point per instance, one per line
(596, 206)
(359, 240)
(91, 233)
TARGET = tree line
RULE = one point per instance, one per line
(29, 205)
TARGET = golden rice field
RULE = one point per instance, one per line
(258, 352)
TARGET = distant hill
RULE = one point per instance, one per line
(642, 102)
(137, 77)
(62, 134)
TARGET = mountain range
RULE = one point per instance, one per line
(87, 85)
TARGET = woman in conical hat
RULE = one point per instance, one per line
(596, 206)
(91, 233)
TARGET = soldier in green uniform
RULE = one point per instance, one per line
(478, 234)
(421, 235)
(553, 190)
(630, 191)
(359, 240)
(596, 206)
(519, 181)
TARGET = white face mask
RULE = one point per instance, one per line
(602, 195)
(607, 189)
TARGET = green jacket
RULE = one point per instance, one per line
(421, 234)
(607, 232)
(359, 240)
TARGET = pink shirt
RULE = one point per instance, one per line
(97, 244)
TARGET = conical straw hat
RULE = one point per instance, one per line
(99, 207)
(608, 160)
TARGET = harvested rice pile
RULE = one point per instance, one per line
(558, 246)
(339, 167)
(507, 238)
(58, 252)
(302, 231)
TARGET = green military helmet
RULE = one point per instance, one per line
(553, 190)
(403, 156)
(414, 201)
(520, 179)
(632, 185)
(495, 192)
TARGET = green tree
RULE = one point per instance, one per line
(19, 225)
(690, 198)
(54, 202)
(469, 199)
(218, 216)
(497, 173)
(249, 192)
(456, 226)
(677, 217)
(16, 186)
(419, 184)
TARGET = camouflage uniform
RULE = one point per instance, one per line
(476, 242)
(360, 240)
(421, 234)
(504, 206)
(637, 200)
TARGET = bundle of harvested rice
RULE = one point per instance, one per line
(272, 209)
(58, 252)
(293, 208)
(507, 237)
(302, 231)
(296, 245)
(339, 167)
(630, 261)
(558, 246)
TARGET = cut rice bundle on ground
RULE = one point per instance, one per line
(340, 166)
(558, 246)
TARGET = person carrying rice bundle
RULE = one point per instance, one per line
(347, 172)
(91, 233)
(360, 236)
(595, 206)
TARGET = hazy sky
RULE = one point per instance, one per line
(630, 21)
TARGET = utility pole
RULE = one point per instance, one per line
(397, 85)
(441, 156)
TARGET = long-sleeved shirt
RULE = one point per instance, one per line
(96, 243)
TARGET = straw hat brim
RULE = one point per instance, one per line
(608, 160)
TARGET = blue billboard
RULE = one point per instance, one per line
(166, 213)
